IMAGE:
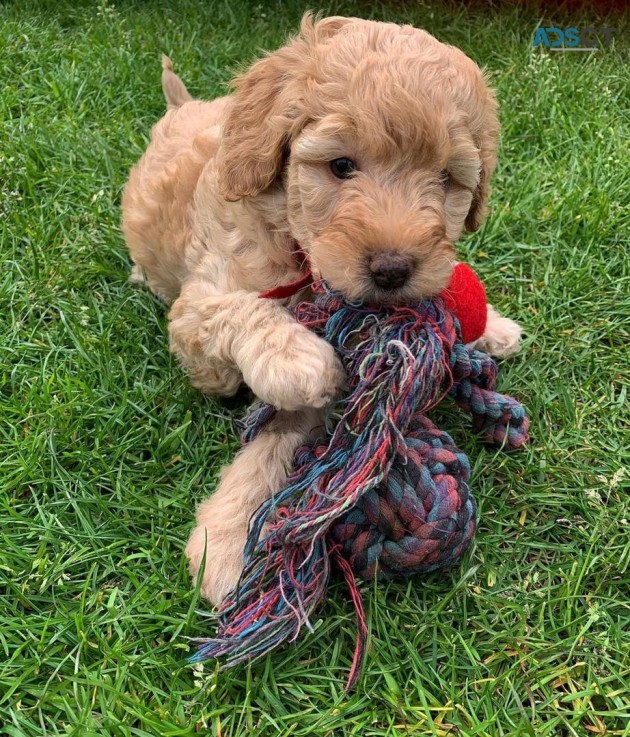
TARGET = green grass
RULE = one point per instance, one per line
(105, 449)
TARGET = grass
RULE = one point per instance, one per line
(105, 449)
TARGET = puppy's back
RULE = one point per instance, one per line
(161, 187)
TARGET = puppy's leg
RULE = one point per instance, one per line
(225, 338)
(257, 471)
(502, 336)
(210, 368)
(137, 275)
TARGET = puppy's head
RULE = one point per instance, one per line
(384, 140)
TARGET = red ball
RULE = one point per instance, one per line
(466, 297)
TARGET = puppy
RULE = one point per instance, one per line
(366, 146)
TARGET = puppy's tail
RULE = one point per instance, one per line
(174, 89)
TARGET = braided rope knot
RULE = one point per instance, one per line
(387, 493)
(420, 519)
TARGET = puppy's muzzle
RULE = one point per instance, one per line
(390, 270)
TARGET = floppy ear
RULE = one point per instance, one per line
(257, 127)
(263, 115)
(487, 141)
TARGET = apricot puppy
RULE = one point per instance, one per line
(370, 147)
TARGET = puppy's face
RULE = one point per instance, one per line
(384, 140)
(378, 209)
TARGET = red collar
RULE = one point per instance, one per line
(288, 290)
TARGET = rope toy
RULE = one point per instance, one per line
(387, 493)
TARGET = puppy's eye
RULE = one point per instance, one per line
(445, 178)
(343, 168)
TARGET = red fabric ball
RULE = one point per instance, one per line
(466, 297)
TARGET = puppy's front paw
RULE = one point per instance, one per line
(295, 369)
(223, 560)
(502, 336)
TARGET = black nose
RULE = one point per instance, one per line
(390, 269)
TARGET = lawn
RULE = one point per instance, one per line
(105, 449)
